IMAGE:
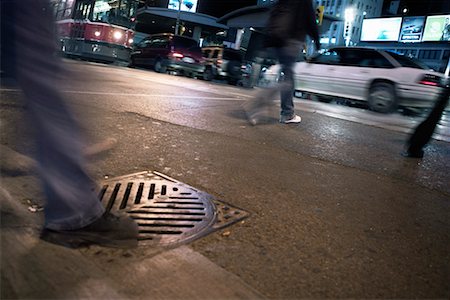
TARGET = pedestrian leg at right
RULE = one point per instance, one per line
(287, 57)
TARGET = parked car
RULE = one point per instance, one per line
(168, 52)
(223, 63)
(384, 79)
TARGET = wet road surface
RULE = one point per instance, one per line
(335, 210)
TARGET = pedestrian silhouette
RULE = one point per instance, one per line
(74, 216)
(424, 131)
(290, 22)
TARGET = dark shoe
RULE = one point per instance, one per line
(413, 154)
(108, 231)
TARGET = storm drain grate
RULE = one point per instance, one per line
(168, 212)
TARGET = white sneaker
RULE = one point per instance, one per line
(294, 119)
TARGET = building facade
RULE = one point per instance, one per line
(164, 16)
(352, 12)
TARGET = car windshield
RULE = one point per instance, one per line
(407, 62)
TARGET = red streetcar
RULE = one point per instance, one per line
(101, 30)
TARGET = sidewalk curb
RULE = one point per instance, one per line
(32, 268)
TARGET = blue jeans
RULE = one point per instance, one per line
(71, 204)
(287, 59)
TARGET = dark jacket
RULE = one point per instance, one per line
(291, 19)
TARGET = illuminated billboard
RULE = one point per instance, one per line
(381, 29)
(437, 28)
(412, 29)
(186, 5)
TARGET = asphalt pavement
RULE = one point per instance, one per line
(335, 211)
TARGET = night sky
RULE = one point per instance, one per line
(423, 7)
(219, 8)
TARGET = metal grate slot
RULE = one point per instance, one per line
(102, 192)
(175, 207)
(124, 202)
(166, 225)
(151, 193)
(167, 219)
(160, 232)
(139, 193)
(179, 202)
(168, 213)
(113, 197)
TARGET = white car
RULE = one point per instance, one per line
(385, 80)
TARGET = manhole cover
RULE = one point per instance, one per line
(168, 212)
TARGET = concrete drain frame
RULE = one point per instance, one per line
(168, 212)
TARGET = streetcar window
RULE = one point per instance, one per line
(115, 12)
(64, 9)
(82, 10)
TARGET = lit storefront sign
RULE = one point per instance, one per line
(412, 29)
(437, 28)
(186, 5)
(381, 29)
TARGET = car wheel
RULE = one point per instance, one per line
(382, 97)
(232, 81)
(132, 63)
(208, 74)
(159, 67)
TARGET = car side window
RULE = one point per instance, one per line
(144, 43)
(150, 43)
(351, 57)
(330, 57)
(374, 59)
(159, 43)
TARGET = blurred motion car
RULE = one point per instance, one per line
(384, 80)
(167, 52)
(223, 63)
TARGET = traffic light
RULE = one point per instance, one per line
(319, 14)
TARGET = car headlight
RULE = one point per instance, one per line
(117, 35)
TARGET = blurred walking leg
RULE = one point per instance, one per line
(71, 204)
(259, 107)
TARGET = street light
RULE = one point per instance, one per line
(349, 18)
(349, 14)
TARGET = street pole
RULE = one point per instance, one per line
(177, 26)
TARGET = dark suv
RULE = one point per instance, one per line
(223, 63)
(168, 52)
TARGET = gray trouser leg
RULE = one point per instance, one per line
(71, 203)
